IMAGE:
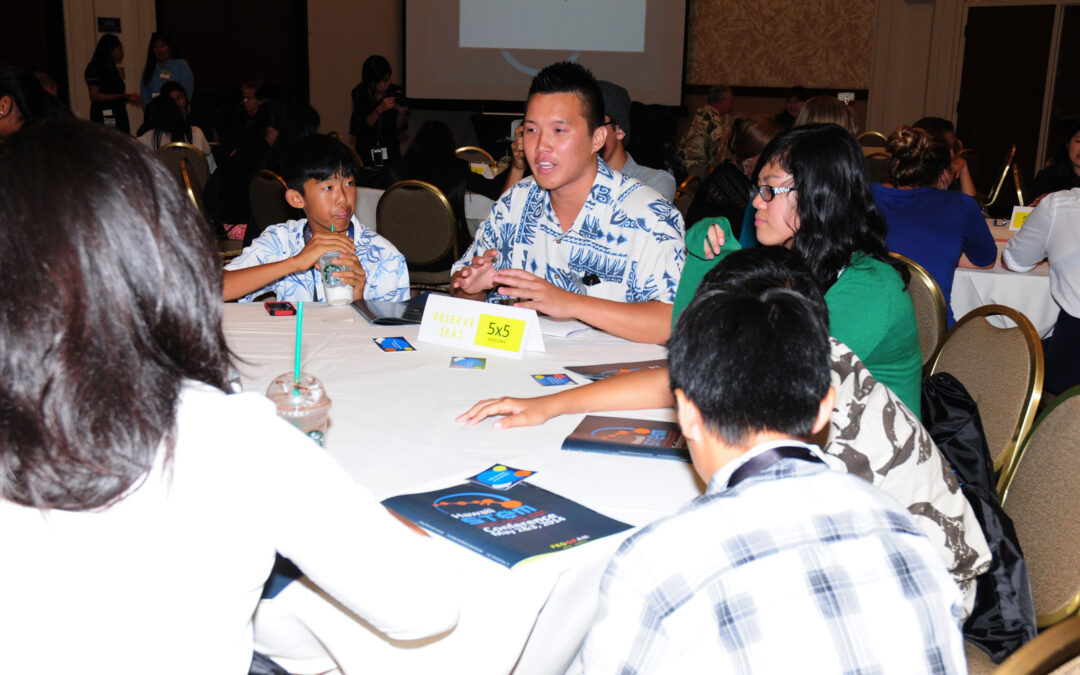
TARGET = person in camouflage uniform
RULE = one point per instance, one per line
(699, 148)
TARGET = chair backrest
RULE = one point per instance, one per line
(417, 218)
(877, 164)
(872, 139)
(1020, 183)
(266, 194)
(1056, 651)
(173, 153)
(995, 190)
(1041, 498)
(1002, 369)
(684, 196)
(929, 304)
(472, 153)
(191, 185)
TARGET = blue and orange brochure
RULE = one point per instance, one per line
(603, 371)
(508, 526)
(626, 436)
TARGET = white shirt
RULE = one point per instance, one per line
(167, 579)
(1052, 231)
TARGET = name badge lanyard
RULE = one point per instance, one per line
(759, 463)
(314, 271)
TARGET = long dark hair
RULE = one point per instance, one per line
(109, 305)
(102, 58)
(431, 158)
(151, 61)
(1061, 165)
(167, 120)
(837, 213)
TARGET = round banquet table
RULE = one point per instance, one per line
(1027, 292)
(392, 428)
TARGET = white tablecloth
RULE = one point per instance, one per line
(1029, 292)
(393, 429)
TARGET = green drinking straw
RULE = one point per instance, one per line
(299, 341)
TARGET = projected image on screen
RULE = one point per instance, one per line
(574, 25)
(488, 50)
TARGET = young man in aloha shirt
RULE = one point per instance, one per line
(577, 239)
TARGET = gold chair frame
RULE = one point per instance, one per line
(879, 139)
(465, 149)
(267, 173)
(1018, 182)
(1047, 652)
(996, 190)
(190, 186)
(181, 144)
(1006, 461)
(428, 187)
(1072, 607)
(919, 273)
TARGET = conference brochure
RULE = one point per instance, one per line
(628, 436)
(603, 371)
(510, 526)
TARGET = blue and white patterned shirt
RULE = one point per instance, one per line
(795, 569)
(626, 239)
(387, 274)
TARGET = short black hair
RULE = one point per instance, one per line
(567, 77)
(318, 157)
(171, 86)
(751, 351)
(936, 126)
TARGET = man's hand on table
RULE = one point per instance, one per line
(536, 293)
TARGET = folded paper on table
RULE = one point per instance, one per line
(480, 326)
(627, 436)
(508, 526)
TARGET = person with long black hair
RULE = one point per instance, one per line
(165, 123)
(132, 485)
(1063, 172)
(107, 95)
(162, 66)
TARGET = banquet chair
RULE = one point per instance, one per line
(995, 190)
(172, 154)
(929, 302)
(877, 164)
(1002, 369)
(191, 185)
(684, 196)
(1044, 504)
(417, 218)
(474, 154)
(266, 195)
(872, 139)
(1020, 183)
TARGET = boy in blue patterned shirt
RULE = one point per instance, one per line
(319, 172)
(783, 565)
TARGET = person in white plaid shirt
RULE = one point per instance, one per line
(783, 565)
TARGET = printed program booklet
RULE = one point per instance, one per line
(508, 526)
(603, 371)
(626, 436)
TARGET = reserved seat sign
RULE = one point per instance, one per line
(480, 326)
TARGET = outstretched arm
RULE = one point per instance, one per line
(633, 391)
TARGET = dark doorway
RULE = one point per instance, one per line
(1006, 53)
(1065, 105)
(228, 43)
(32, 37)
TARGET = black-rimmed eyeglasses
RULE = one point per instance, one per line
(767, 192)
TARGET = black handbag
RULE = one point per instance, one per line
(1003, 617)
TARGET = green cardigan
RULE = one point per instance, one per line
(869, 310)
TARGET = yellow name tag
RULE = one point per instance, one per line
(499, 332)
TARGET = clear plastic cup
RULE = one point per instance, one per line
(337, 291)
(306, 406)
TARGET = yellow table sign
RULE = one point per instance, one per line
(1019, 215)
(476, 326)
(499, 332)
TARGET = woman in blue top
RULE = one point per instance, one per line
(161, 67)
(927, 223)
